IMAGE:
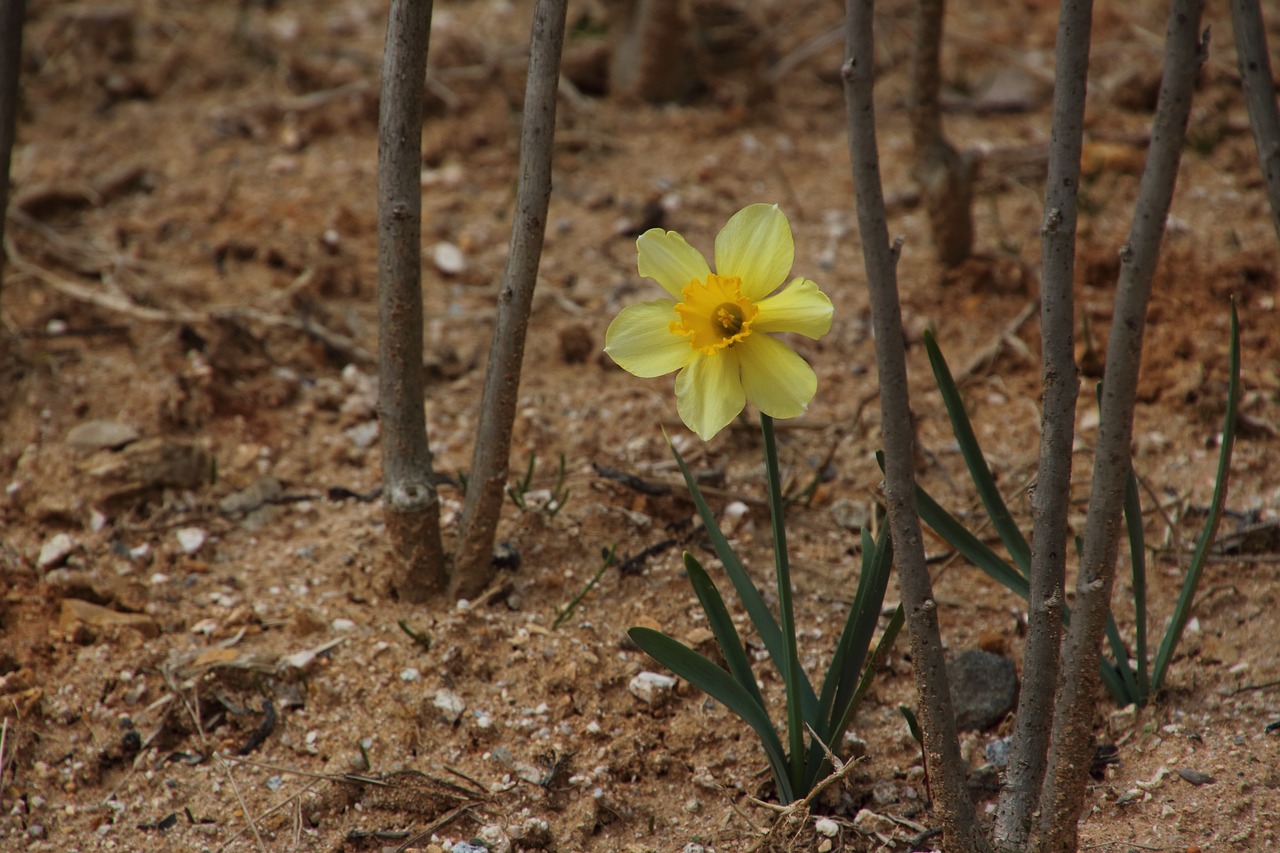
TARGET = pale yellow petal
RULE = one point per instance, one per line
(801, 308)
(666, 258)
(755, 245)
(709, 392)
(640, 340)
(776, 380)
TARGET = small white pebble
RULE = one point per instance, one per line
(191, 539)
(826, 826)
(410, 674)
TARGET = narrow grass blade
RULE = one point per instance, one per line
(842, 676)
(1118, 679)
(883, 647)
(766, 626)
(1182, 611)
(797, 712)
(1120, 655)
(722, 626)
(842, 679)
(1138, 562)
(721, 686)
(970, 547)
(913, 725)
(1001, 518)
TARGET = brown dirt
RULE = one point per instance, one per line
(193, 179)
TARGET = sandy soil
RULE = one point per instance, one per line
(193, 225)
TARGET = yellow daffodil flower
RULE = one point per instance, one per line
(715, 328)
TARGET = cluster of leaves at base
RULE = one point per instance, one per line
(520, 489)
(825, 716)
(1128, 683)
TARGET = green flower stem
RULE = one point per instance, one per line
(786, 614)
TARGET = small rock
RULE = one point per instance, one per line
(410, 674)
(984, 688)
(1156, 781)
(533, 834)
(191, 539)
(854, 746)
(884, 793)
(849, 514)
(299, 660)
(101, 435)
(868, 822)
(467, 847)
(363, 435)
(652, 688)
(449, 259)
(342, 625)
(1195, 777)
(250, 498)
(827, 827)
(76, 613)
(55, 550)
(494, 838)
(997, 751)
(1124, 720)
(734, 513)
(449, 704)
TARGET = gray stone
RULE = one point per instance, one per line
(984, 688)
(449, 705)
(101, 435)
(652, 688)
(55, 550)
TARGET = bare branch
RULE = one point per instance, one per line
(12, 13)
(1020, 796)
(945, 766)
(489, 461)
(1259, 95)
(1063, 795)
(944, 176)
(410, 503)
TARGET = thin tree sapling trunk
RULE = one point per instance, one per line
(487, 479)
(411, 506)
(1259, 95)
(1060, 381)
(944, 176)
(1067, 777)
(12, 13)
(942, 751)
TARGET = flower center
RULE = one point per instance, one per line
(714, 313)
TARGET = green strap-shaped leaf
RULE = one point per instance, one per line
(976, 552)
(800, 708)
(1118, 679)
(1138, 563)
(851, 651)
(1001, 518)
(970, 547)
(1182, 611)
(735, 655)
(766, 626)
(887, 639)
(721, 686)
